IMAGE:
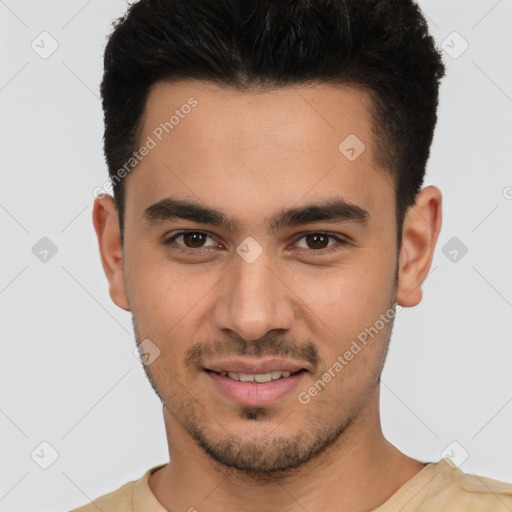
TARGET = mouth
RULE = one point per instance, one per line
(258, 377)
(255, 389)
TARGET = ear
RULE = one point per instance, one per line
(421, 228)
(106, 224)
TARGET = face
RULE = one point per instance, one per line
(255, 244)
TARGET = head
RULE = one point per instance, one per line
(290, 139)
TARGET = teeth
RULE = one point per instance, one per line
(258, 377)
(263, 377)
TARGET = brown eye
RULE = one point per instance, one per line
(189, 242)
(317, 240)
(317, 244)
(194, 239)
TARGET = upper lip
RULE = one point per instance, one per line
(253, 366)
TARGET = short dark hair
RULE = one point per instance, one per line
(381, 46)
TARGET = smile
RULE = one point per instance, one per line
(257, 377)
(254, 389)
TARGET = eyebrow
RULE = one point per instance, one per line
(329, 210)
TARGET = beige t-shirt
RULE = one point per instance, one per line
(438, 487)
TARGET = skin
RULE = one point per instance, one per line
(251, 154)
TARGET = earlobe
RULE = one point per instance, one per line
(106, 224)
(421, 228)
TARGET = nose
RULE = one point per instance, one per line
(253, 299)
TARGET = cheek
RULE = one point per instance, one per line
(170, 301)
(156, 283)
(347, 296)
(153, 292)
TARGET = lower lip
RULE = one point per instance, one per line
(255, 393)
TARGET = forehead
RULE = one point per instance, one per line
(256, 149)
(276, 117)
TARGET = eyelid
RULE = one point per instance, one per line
(340, 239)
(167, 240)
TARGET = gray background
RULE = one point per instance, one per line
(68, 373)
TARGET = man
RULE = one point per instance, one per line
(267, 159)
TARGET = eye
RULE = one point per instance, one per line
(193, 241)
(318, 241)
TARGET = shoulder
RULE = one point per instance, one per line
(116, 501)
(132, 495)
(453, 489)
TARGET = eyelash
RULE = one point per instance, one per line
(310, 252)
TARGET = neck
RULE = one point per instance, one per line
(359, 472)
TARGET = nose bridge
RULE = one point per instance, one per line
(254, 300)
